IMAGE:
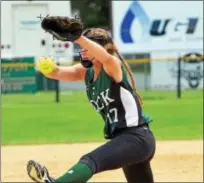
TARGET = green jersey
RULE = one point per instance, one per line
(116, 102)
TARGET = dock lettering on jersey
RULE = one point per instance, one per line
(103, 97)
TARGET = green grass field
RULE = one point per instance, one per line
(37, 119)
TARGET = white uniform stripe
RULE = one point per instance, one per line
(130, 106)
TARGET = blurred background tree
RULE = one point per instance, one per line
(93, 13)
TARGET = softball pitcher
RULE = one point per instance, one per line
(131, 144)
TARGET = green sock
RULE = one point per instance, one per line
(80, 172)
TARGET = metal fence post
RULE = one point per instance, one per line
(179, 78)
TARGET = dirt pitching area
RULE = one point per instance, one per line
(175, 161)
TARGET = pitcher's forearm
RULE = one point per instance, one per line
(64, 74)
(93, 48)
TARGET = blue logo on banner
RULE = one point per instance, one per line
(135, 11)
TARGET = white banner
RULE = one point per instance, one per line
(144, 26)
(164, 73)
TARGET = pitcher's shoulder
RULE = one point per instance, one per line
(88, 74)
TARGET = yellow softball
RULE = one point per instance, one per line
(46, 65)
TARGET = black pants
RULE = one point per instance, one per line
(132, 150)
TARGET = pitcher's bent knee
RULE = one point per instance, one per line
(86, 159)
